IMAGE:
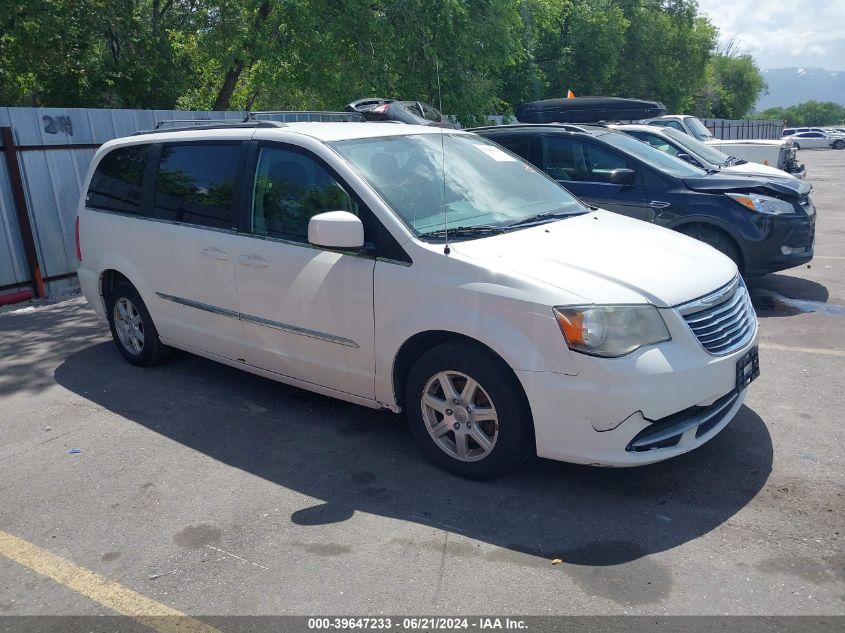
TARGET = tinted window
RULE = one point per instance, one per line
(572, 159)
(517, 144)
(118, 180)
(195, 184)
(289, 189)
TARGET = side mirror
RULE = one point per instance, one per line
(622, 177)
(685, 157)
(336, 229)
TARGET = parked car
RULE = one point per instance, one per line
(816, 140)
(685, 147)
(763, 225)
(790, 131)
(776, 153)
(499, 312)
(411, 112)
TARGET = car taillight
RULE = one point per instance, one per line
(78, 247)
(381, 109)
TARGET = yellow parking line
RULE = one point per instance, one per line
(806, 350)
(108, 593)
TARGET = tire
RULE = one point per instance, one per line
(507, 424)
(838, 144)
(796, 146)
(718, 240)
(133, 329)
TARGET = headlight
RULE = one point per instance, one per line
(611, 331)
(763, 204)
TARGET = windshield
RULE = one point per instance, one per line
(651, 155)
(485, 185)
(698, 129)
(707, 152)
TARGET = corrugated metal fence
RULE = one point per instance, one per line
(52, 149)
(727, 129)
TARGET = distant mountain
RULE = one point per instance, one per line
(790, 86)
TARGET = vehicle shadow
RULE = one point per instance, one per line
(783, 295)
(359, 460)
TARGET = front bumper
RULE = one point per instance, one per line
(599, 416)
(789, 241)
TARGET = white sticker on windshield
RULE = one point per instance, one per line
(495, 153)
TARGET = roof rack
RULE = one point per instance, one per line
(294, 116)
(181, 125)
(567, 126)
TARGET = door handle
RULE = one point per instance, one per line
(657, 204)
(215, 253)
(253, 260)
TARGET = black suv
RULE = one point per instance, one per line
(762, 224)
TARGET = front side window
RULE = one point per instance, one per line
(572, 159)
(698, 148)
(517, 143)
(448, 180)
(118, 181)
(651, 156)
(196, 182)
(289, 189)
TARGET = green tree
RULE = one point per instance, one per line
(809, 113)
(733, 84)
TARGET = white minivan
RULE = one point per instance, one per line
(418, 269)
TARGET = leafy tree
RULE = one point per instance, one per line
(479, 56)
(809, 113)
(733, 84)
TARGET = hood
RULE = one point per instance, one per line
(732, 182)
(603, 257)
(769, 173)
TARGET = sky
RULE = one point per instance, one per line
(783, 33)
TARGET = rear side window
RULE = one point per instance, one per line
(118, 181)
(196, 184)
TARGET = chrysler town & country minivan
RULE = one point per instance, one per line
(412, 268)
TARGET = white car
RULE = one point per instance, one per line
(775, 153)
(685, 147)
(816, 140)
(500, 313)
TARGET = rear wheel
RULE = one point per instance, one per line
(132, 327)
(839, 144)
(717, 239)
(467, 413)
(796, 146)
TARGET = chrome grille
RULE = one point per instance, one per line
(722, 321)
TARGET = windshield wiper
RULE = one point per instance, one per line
(542, 217)
(465, 231)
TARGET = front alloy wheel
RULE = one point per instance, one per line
(467, 411)
(459, 416)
